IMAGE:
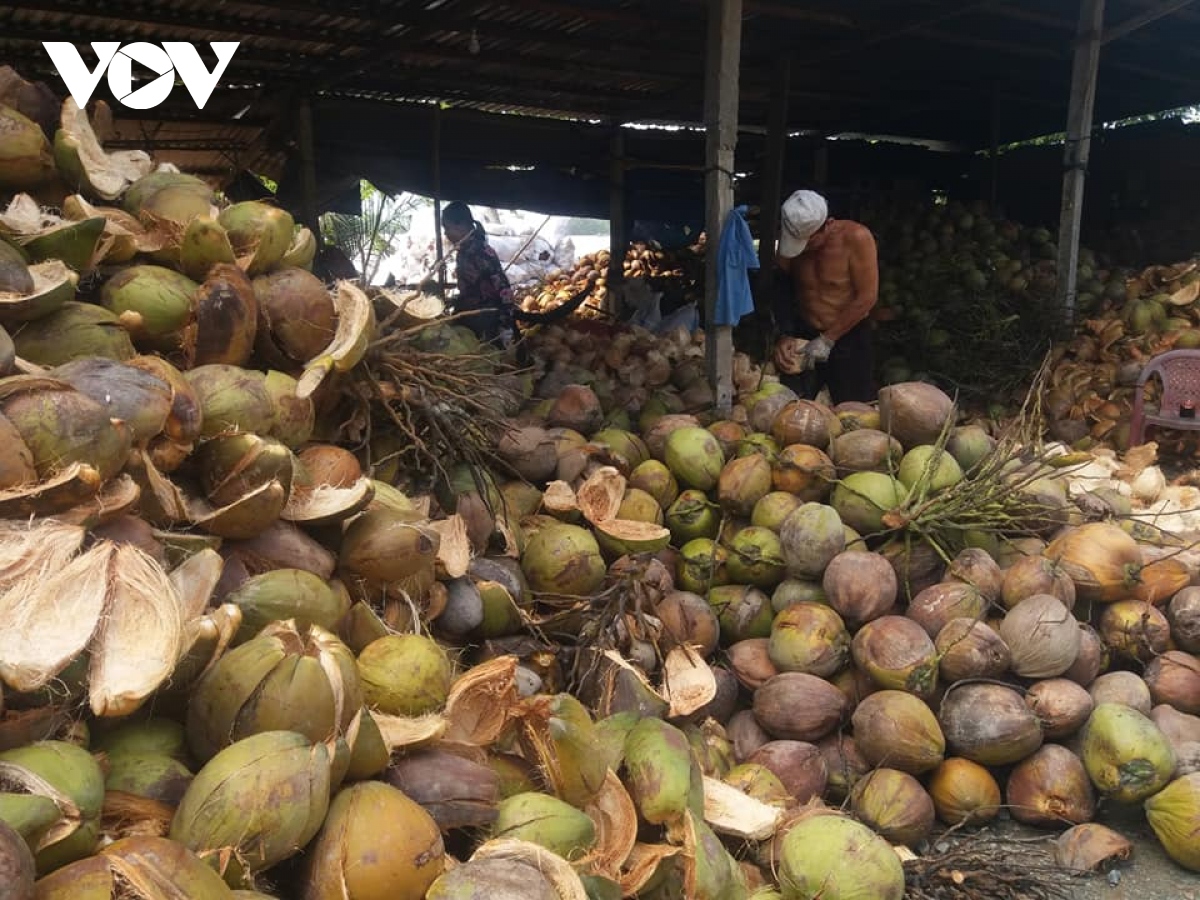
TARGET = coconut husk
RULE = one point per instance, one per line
(616, 822)
(730, 811)
(688, 682)
(140, 637)
(129, 815)
(1091, 847)
(116, 498)
(50, 618)
(407, 732)
(641, 865)
(34, 551)
(482, 701)
(454, 551)
(549, 865)
(61, 491)
(600, 495)
(559, 500)
(161, 502)
(324, 504)
(194, 581)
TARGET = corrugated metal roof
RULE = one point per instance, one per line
(957, 70)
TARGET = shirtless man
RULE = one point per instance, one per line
(835, 281)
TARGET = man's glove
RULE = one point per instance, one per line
(816, 351)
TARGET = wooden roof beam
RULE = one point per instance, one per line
(1133, 23)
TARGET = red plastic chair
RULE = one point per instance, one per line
(1179, 371)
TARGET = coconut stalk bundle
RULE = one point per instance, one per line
(1002, 498)
(448, 408)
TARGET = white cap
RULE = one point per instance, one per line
(803, 214)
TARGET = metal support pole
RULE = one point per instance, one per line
(618, 239)
(1078, 148)
(308, 169)
(772, 175)
(436, 163)
(721, 121)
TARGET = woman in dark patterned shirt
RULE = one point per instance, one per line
(483, 288)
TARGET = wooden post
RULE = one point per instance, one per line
(618, 239)
(723, 62)
(772, 174)
(308, 169)
(436, 162)
(1078, 148)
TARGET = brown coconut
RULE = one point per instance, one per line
(914, 412)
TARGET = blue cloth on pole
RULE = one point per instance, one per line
(735, 258)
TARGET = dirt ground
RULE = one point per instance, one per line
(1148, 875)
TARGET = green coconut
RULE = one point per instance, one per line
(863, 498)
(232, 399)
(661, 773)
(157, 737)
(154, 303)
(369, 753)
(743, 612)
(72, 780)
(771, 509)
(259, 231)
(295, 417)
(204, 245)
(405, 674)
(810, 537)
(141, 400)
(1126, 756)
(26, 161)
(756, 557)
(546, 821)
(73, 330)
(929, 468)
(170, 196)
(387, 545)
(282, 594)
(232, 465)
(694, 457)
(563, 559)
(653, 477)
(72, 243)
(134, 868)
(1174, 814)
(150, 775)
(255, 804)
(625, 444)
(970, 445)
(61, 426)
(692, 516)
(701, 565)
(742, 482)
(286, 679)
(832, 857)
